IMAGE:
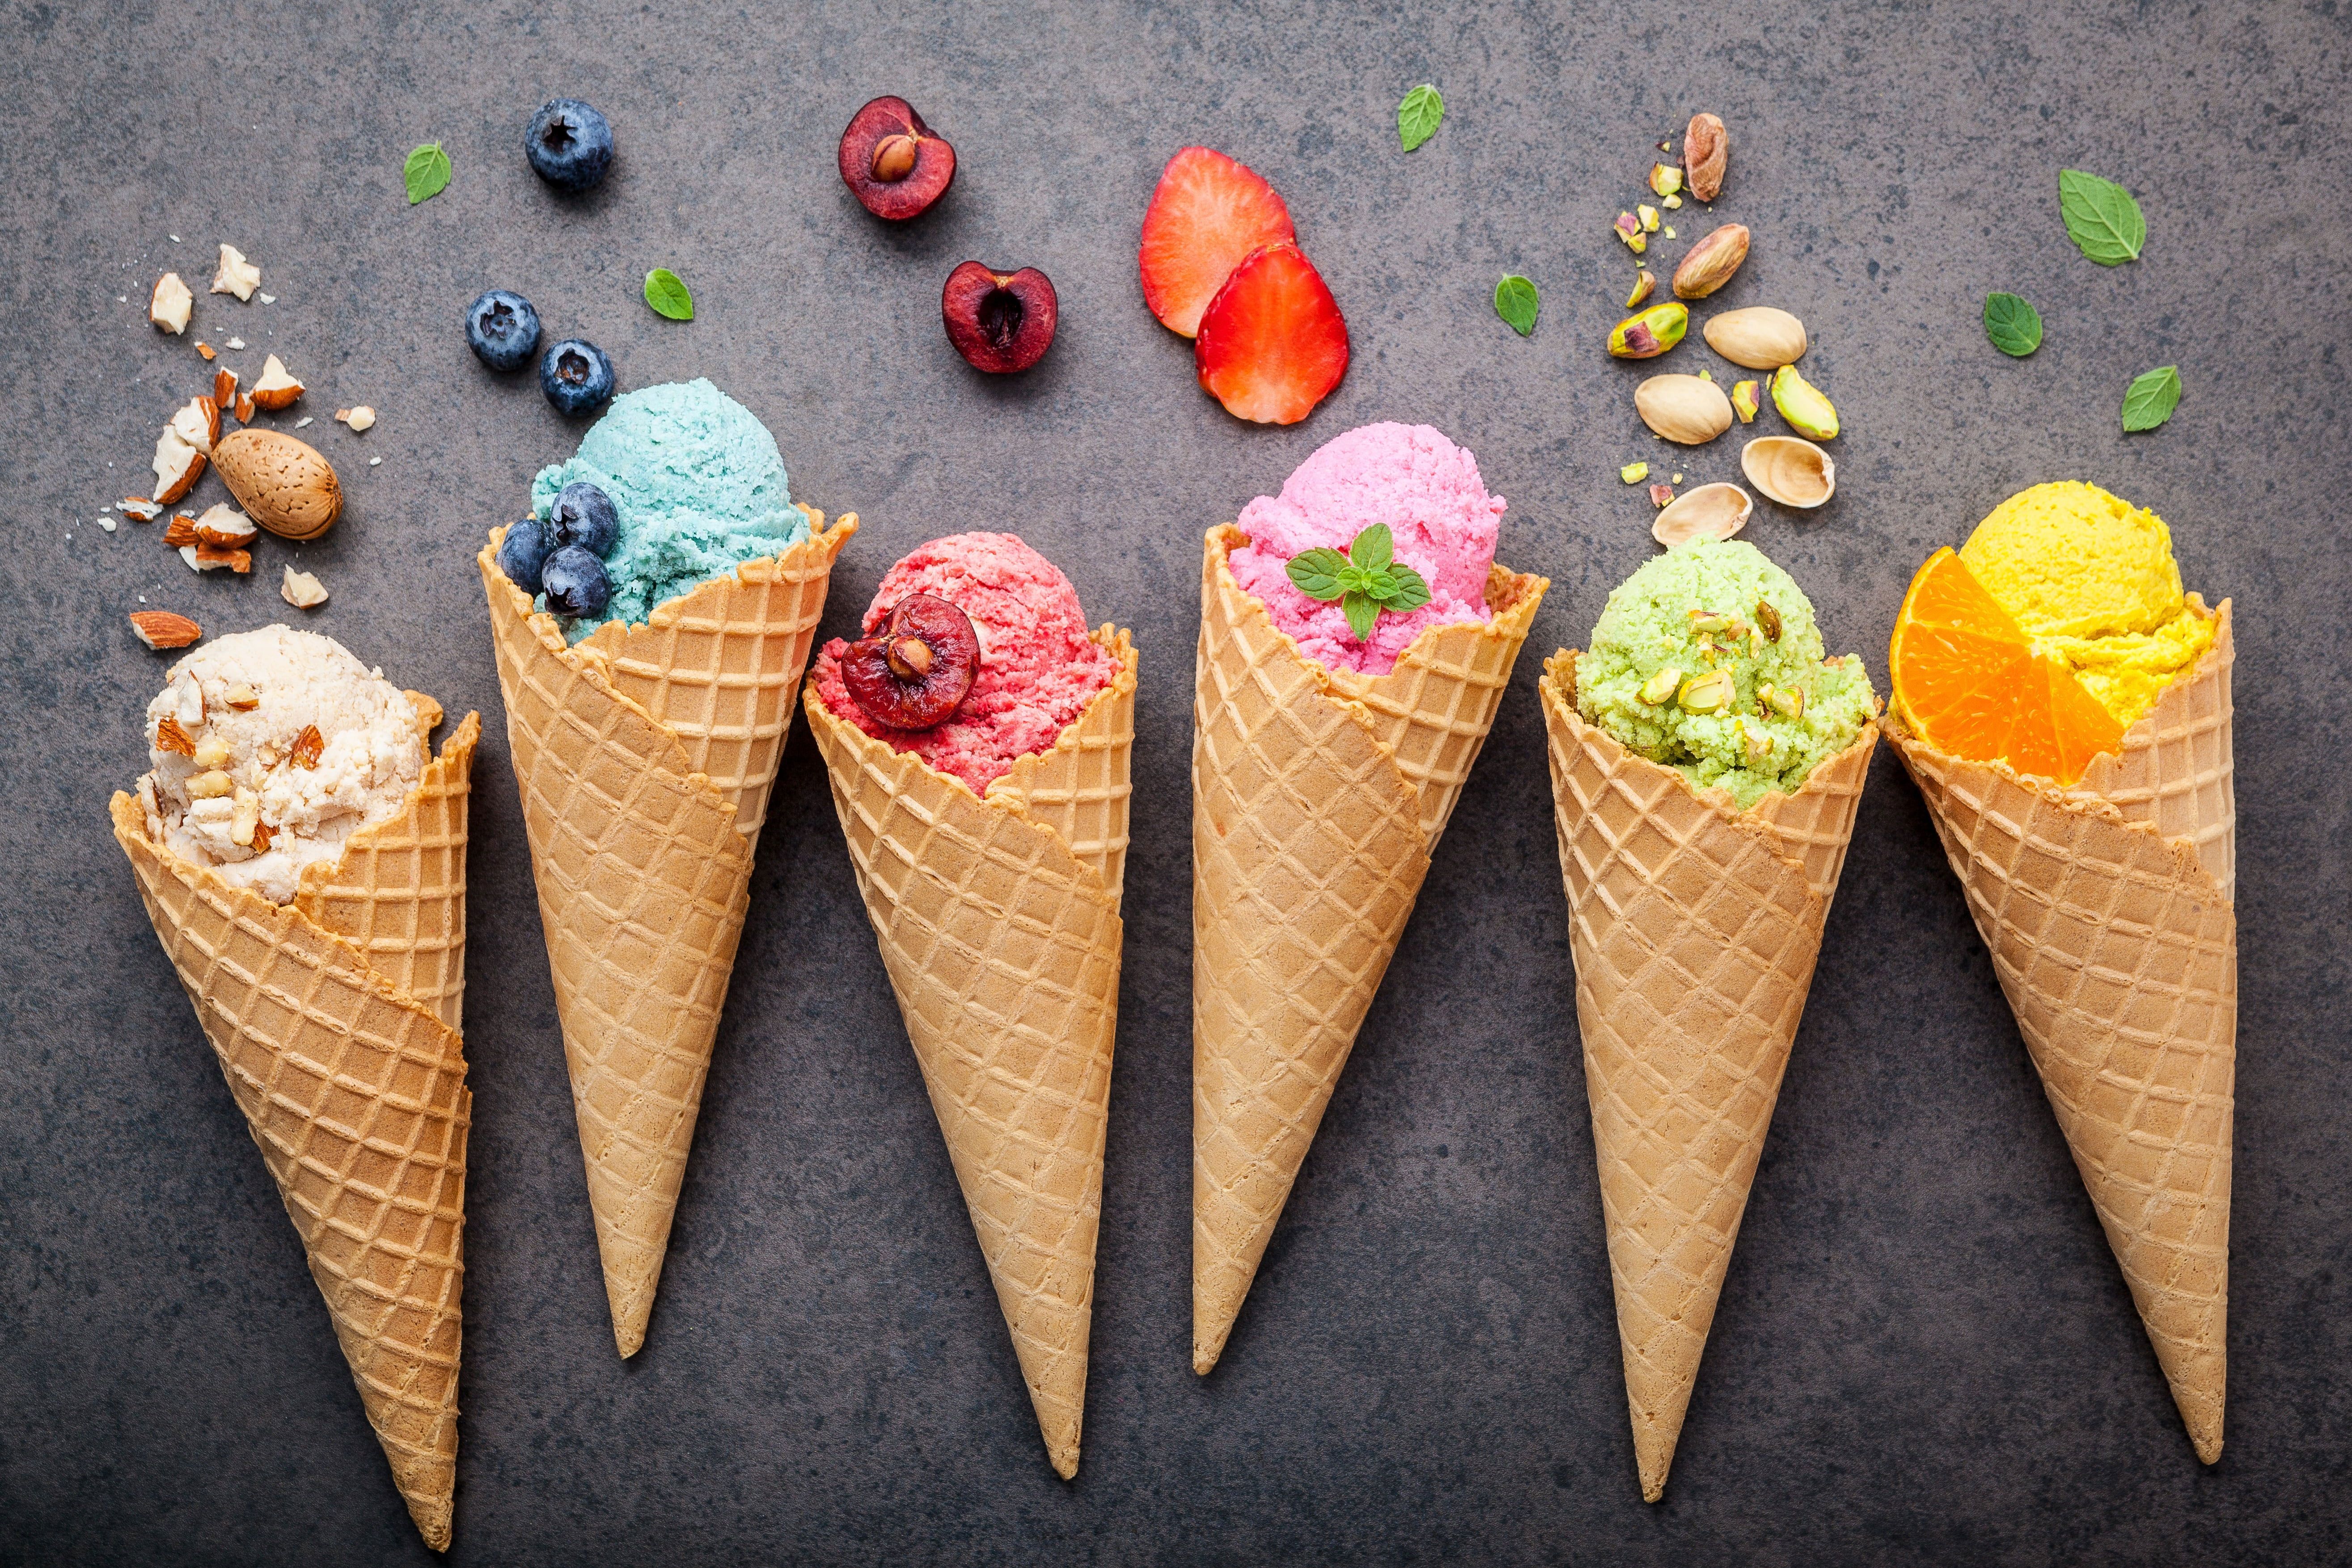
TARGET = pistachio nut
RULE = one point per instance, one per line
(1768, 618)
(1757, 742)
(1711, 512)
(1629, 230)
(1758, 336)
(1649, 219)
(1710, 693)
(1642, 287)
(1743, 401)
(1682, 408)
(1802, 406)
(1650, 333)
(1661, 687)
(1666, 179)
(1705, 150)
(1633, 473)
(1789, 701)
(1671, 203)
(1790, 471)
(1661, 495)
(1708, 265)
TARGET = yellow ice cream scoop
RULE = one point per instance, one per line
(2092, 580)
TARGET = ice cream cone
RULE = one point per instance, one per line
(1316, 798)
(2115, 939)
(643, 858)
(1695, 927)
(998, 922)
(353, 1088)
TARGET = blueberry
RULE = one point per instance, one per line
(575, 584)
(503, 329)
(576, 376)
(584, 515)
(523, 552)
(570, 144)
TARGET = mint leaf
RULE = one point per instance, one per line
(1408, 590)
(1363, 614)
(666, 294)
(1316, 573)
(426, 173)
(1516, 302)
(2101, 219)
(1418, 115)
(1373, 548)
(2150, 399)
(2015, 326)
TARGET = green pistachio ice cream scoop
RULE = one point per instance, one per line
(1707, 660)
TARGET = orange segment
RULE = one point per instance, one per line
(1967, 677)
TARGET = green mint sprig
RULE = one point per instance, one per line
(2013, 326)
(1366, 580)
(2101, 219)
(2150, 399)
(666, 292)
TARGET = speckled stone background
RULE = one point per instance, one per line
(1925, 1352)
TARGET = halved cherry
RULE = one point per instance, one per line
(917, 666)
(892, 163)
(999, 322)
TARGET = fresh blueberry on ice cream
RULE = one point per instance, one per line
(523, 552)
(1442, 528)
(692, 487)
(270, 748)
(1036, 668)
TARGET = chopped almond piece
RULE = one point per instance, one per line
(245, 408)
(302, 590)
(180, 529)
(261, 836)
(163, 629)
(140, 507)
(236, 275)
(242, 697)
(308, 746)
(212, 558)
(170, 737)
(276, 388)
(226, 527)
(225, 387)
(205, 349)
(359, 418)
(178, 466)
(169, 305)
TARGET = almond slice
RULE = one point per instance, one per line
(178, 466)
(276, 388)
(225, 387)
(179, 531)
(163, 629)
(170, 737)
(236, 275)
(140, 507)
(169, 305)
(308, 747)
(213, 558)
(245, 408)
(242, 697)
(205, 349)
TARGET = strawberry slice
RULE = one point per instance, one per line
(1207, 214)
(1273, 342)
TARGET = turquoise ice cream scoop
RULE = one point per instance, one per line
(699, 488)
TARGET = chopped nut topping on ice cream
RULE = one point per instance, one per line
(235, 801)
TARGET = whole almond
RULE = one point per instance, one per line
(1705, 150)
(1682, 408)
(1709, 263)
(1758, 337)
(282, 483)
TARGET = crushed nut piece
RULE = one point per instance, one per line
(261, 834)
(237, 342)
(212, 557)
(226, 527)
(245, 818)
(206, 349)
(1768, 618)
(1661, 494)
(224, 386)
(236, 275)
(163, 629)
(213, 786)
(1633, 473)
(212, 752)
(170, 737)
(188, 703)
(302, 590)
(308, 746)
(358, 418)
(140, 507)
(242, 697)
(181, 530)
(245, 408)
(276, 388)
(169, 305)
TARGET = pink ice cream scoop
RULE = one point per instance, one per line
(1038, 669)
(1443, 521)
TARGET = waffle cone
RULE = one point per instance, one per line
(998, 922)
(643, 859)
(1695, 929)
(1317, 795)
(2116, 939)
(354, 1087)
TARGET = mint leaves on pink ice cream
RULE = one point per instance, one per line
(1038, 669)
(1443, 523)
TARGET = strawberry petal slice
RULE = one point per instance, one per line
(1207, 214)
(1272, 343)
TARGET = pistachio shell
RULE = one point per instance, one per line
(1682, 408)
(282, 483)
(1710, 511)
(1788, 470)
(1757, 337)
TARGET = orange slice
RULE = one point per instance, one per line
(1967, 678)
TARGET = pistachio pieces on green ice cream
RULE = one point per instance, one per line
(1707, 660)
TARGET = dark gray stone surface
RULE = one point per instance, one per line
(1925, 1352)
